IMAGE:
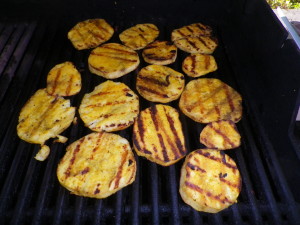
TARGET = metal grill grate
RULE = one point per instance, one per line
(30, 192)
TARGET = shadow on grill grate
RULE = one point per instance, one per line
(30, 192)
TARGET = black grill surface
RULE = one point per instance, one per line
(33, 39)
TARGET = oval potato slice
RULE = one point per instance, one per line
(113, 60)
(210, 181)
(160, 53)
(90, 33)
(43, 117)
(158, 135)
(63, 80)
(159, 83)
(206, 100)
(196, 65)
(97, 165)
(220, 135)
(139, 36)
(192, 30)
(111, 106)
(200, 44)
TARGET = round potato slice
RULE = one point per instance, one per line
(113, 60)
(159, 83)
(90, 33)
(200, 44)
(63, 80)
(112, 106)
(192, 30)
(97, 165)
(207, 100)
(220, 135)
(160, 53)
(43, 117)
(196, 65)
(158, 135)
(139, 36)
(210, 181)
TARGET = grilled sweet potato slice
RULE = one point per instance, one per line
(112, 106)
(90, 33)
(159, 83)
(160, 53)
(207, 100)
(43, 117)
(195, 38)
(220, 135)
(113, 60)
(97, 165)
(192, 30)
(201, 44)
(210, 180)
(158, 136)
(139, 36)
(196, 65)
(63, 80)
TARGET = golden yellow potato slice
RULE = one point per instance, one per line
(63, 80)
(139, 36)
(158, 135)
(192, 30)
(112, 106)
(207, 100)
(97, 165)
(113, 60)
(200, 44)
(196, 65)
(220, 135)
(43, 117)
(160, 53)
(90, 33)
(159, 83)
(210, 181)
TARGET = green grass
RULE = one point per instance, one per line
(284, 4)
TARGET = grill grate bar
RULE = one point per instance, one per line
(98, 212)
(154, 194)
(174, 193)
(196, 218)
(236, 216)
(118, 207)
(60, 206)
(135, 196)
(78, 212)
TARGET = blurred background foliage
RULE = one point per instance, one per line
(284, 4)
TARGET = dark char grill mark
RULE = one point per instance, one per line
(153, 113)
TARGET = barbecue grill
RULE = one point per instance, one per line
(254, 56)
